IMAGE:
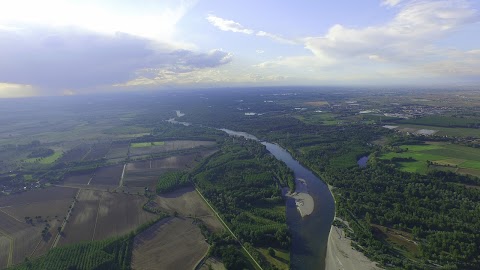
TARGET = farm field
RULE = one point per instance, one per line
(168, 146)
(77, 179)
(98, 215)
(441, 131)
(450, 156)
(187, 202)
(146, 173)
(146, 144)
(172, 243)
(107, 176)
(118, 150)
(46, 160)
(98, 151)
(75, 154)
(37, 196)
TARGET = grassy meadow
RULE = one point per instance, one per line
(441, 155)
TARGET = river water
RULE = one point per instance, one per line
(309, 234)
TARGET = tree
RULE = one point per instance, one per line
(271, 252)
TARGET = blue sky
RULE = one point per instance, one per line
(56, 47)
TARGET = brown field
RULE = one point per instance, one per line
(172, 243)
(107, 176)
(473, 172)
(78, 179)
(81, 223)
(124, 210)
(51, 204)
(145, 173)
(75, 154)
(98, 151)
(4, 250)
(25, 238)
(118, 150)
(317, 103)
(186, 202)
(169, 146)
(39, 195)
(98, 215)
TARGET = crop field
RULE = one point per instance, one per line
(46, 160)
(75, 154)
(316, 118)
(172, 243)
(119, 213)
(98, 151)
(442, 131)
(107, 176)
(98, 215)
(39, 207)
(146, 144)
(451, 156)
(169, 146)
(78, 179)
(145, 173)
(21, 239)
(118, 150)
(187, 202)
(36, 196)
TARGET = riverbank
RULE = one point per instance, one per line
(340, 253)
(304, 201)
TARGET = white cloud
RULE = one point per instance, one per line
(10, 90)
(259, 51)
(275, 37)
(408, 37)
(228, 25)
(391, 3)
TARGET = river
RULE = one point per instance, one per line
(310, 233)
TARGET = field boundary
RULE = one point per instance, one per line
(231, 232)
(59, 234)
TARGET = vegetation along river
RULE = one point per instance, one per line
(309, 233)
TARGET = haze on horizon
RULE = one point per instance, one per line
(56, 47)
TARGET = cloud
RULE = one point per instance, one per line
(391, 3)
(275, 37)
(408, 37)
(71, 58)
(228, 25)
(8, 90)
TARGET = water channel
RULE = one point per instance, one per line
(309, 233)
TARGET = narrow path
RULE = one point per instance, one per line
(57, 237)
(231, 232)
(123, 174)
(96, 219)
(12, 216)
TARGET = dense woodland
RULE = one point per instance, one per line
(243, 182)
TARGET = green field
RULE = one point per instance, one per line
(46, 160)
(315, 118)
(444, 131)
(450, 156)
(281, 259)
(146, 144)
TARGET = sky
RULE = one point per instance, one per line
(55, 47)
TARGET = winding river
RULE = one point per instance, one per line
(309, 233)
